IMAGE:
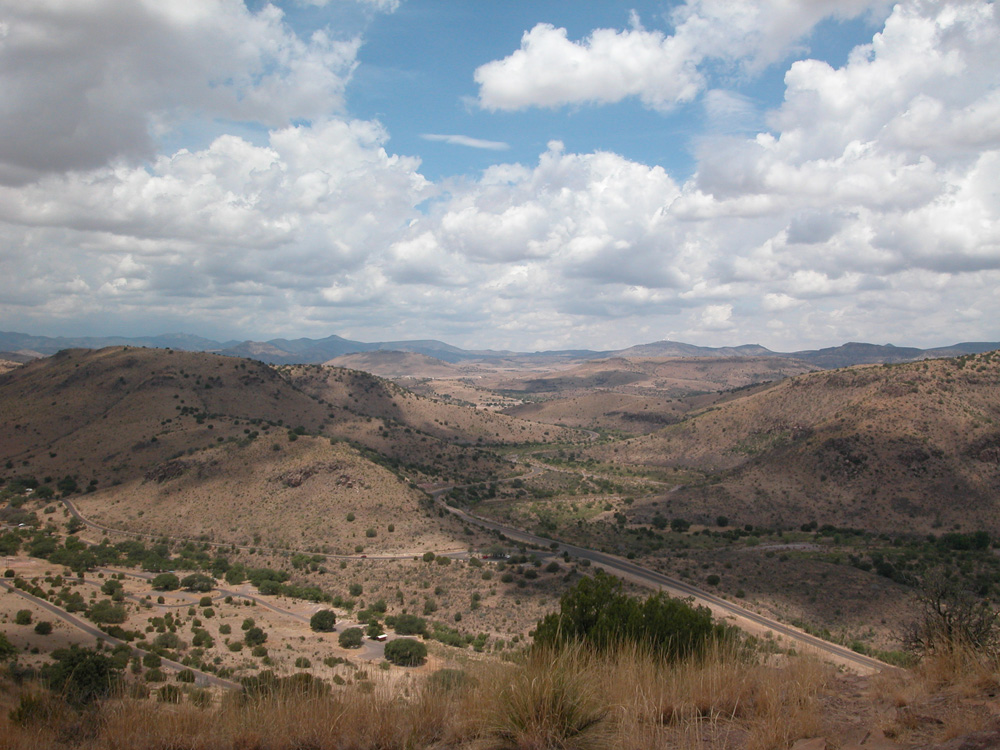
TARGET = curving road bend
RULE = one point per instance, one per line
(612, 563)
(202, 678)
(659, 582)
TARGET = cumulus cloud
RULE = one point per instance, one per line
(550, 70)
(843, 219)
(233, 221)
(90, 81)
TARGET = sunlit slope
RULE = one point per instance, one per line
(907, 447)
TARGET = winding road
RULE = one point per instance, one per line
(657, 581)
(611, 563)
(201, 678)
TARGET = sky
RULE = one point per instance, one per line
(522, 175)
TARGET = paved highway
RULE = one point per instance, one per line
(202, 678)
(657, 581)
(611, 563)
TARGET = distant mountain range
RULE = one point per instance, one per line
(20, 347)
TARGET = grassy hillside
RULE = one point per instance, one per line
(110, 415)
(671, 378)
(280, 494)
(905, 447)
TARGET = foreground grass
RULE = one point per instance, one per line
(569, 700)
(572, 699)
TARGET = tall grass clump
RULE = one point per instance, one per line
(553, 699)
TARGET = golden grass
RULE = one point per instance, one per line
(940, 698)
(572, 700)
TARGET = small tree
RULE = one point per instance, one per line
(106, 612)
(81, 675)
(406, 652)
(255, 636)
(198, 582)
(952, 619)
(166, 582)
(351, 638)
(323, 621)
(599, 614)
(407, 624)
(23, 617)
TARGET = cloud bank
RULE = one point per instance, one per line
(865, 208)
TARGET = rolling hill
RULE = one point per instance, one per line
(907, 447)
(161, 441)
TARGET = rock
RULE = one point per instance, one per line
(813, 743)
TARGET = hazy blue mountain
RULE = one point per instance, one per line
(317, 351)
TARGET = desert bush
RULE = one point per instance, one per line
(255, 636)
(953, 621)
(198, 582)
(107, 612)
(81, 675)
(351, 638)
(406, 652)
(324, 621)
(598, 613)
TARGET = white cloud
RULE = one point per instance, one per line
(661, 70)
(90, 81)
(464, 140)
(382, 6)
(845, 220)
(549, 70)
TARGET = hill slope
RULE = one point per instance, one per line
(892, 448)
(166, 440)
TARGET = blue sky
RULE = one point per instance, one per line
(519, 175)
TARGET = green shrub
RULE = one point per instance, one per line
(81, 675)
(255, 636)
(408, 624)
(598, 613)
(107, 612)
(323, 621)
(23, 617)
(43, 627)
(406, 652)
(198, 582)
(351, 638)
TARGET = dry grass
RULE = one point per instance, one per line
(573, 700)
(948, 694)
